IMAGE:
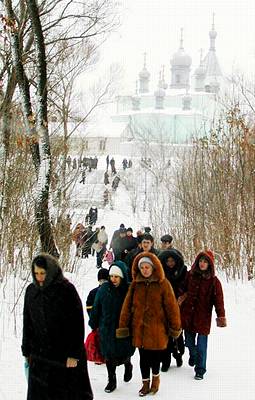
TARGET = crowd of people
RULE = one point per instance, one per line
(86, 163)
(146, 299)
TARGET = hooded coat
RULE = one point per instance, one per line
(150, 312)
(53, 330)
(105, 316)
(177, 274)
(202, 292)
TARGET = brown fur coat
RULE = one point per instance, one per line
(150, 312)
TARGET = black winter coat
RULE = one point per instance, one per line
(177, 274)
(53, 330)
(90, 299)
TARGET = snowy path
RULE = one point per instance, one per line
(231, 351)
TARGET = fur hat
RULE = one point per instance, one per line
(166, 238)
(103, 273)
(115, 270)
(146, 260)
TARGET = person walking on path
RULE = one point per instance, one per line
(105, 316)
(175, 271)
(150, 314)
(53, 335)
(202, 291)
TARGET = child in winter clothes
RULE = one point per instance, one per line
(175, 271)
(105, 316)
(151, 311)
(102, 276)
(202, 290)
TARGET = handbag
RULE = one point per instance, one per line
(108, 256)
(92, 347)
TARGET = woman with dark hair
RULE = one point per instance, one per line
(53, 335)
(201, 292)
(175, 271)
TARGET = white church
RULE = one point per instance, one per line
(175, 113)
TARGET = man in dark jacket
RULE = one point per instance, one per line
(146, 244)
(120, 244)
(115, 235)
(128, 243)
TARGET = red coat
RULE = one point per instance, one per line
(202, 293)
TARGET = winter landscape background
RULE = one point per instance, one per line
(81, 82)
(231, 351)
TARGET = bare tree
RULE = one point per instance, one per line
(32, 31)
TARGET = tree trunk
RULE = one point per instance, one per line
(44, 173)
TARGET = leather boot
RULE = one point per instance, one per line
(128, 372)
(179, 361)
(112, 383)
(145, 388)
(155, 384)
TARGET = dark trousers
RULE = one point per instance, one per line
(111, 367)
(149, 360)
(175, 347)
(100, 255)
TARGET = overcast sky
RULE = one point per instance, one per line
(154, 26)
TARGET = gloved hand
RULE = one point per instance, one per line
(221, 322)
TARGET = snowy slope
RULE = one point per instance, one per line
(231, 350)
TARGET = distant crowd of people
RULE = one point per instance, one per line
(88, 163)
(110, 164)
(111, 177)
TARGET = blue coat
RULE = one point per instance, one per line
(105, 316)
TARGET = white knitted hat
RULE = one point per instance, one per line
(146, 260)
(115, 270)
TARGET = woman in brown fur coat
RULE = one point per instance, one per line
(150, 314)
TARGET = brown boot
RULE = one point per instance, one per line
(145, 388)
(154, 384)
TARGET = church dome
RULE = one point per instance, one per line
(180, 58)
(200, 70)
(144, 74)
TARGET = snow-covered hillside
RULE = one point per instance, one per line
(231, 350)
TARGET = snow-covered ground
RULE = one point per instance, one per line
(231, 351)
